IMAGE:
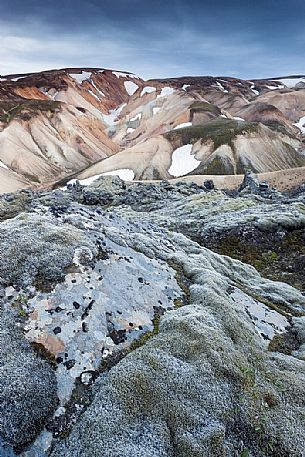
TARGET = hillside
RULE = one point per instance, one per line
(84, 122)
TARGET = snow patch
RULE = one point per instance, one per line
(239, 119)
(291, 82)
(130, 130)
(138, 116)
(130, 87)
(81, 77)
(166, 91)
(181, 126)
(185, 86)
(120, 74)
(110, 119)
(97, 89)
(275, 87)
(301, 124)
(183, 162)
(148, 90)
(256, 92)
(94, 95)
(17, 79)
(218, 84)
(51, 93)
(126, 174)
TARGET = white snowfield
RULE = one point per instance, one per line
(256, 92)
(110, 119)
(281, 86)
(185, 86)
(166, 91)
(120, 74)
(125, 174)
(220, 86)
(138, 116)
(183, 162)
(156, 110)
(97, 89)
(130, 87)
(181, 126)
(301, 124)
(94, 95)
(81, 77)
(291, 82)
(17, 79)
(148, 90)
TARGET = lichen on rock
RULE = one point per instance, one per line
(136, 338)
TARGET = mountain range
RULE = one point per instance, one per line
(80, 123)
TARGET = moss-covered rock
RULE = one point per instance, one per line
(34, 250)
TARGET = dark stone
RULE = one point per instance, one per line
(209, 184)
(69, 364)
(249, 183)
(85, 327)
(263, 186)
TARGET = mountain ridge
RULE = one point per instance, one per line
(71, 119)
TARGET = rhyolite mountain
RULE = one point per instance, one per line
(85, 122)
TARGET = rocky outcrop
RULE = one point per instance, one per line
(146, 341)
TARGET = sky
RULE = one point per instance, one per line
(154, 38)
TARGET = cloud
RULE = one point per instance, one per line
(162, 42)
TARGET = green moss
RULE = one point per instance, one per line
(144, 338)
(236, 248)
(285, 262)
(295, 241)
(183, 282)
(21, 300)
(25, 109)
(281, 309)
(284, 343)
(201, 107)
(220, 131)
(248, 377)
(10, 209)
(217, 166)
(245, 453)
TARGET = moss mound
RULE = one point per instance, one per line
(220, 131)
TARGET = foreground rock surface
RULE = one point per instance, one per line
(146, 342)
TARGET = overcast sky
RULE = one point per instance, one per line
(155, 38)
